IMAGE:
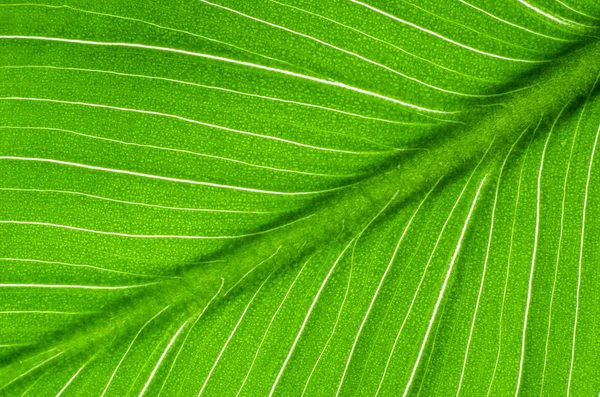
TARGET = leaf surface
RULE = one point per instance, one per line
(299, 198)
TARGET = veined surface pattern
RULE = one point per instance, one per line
(299, 198)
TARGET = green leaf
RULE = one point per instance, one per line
(299, 198)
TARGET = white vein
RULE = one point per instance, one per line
(364, 320)
(379, 286)
(306, 317)
(510, 250)
(143, 22)
(575, 10)
(34, 357)
(575, 135)
(72, 379)
(314, 302)
(176, 117)
(232, 61)
(269, 327)
(533, 262)
(560, 238)
(580, 264)
(31, 369)
(389, 309)
(355, 241)
(563, 21)
(173, 150)
(467, 28)
(252, 270)
(387, 43)
(81, 266)
(540, 12)
(45, 352)
(128, 349)
(353, 54)
(433, 251)
(227, 90)
(513, 24)
(433, 345)
(230, 337)
(31, 385)
(485, 264)
(337, 320)
(341, 382)
(162, 357)
(443, 289)
(70, 192)
(148, 236)
(189, 333)
(71, 286)
(160, 177)
(441, 36)
(41, 312)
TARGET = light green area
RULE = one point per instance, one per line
(299, 198)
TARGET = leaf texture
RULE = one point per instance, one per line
(299, 198)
